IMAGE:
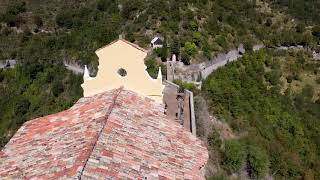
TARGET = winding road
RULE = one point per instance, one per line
(234, 54)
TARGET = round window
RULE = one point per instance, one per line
(122, 72)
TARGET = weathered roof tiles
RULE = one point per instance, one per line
(116, 134)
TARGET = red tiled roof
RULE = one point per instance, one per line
(116, 134)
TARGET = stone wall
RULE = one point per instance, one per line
(188, 116)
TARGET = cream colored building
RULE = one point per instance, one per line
(121, 63)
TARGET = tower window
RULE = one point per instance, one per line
(122, 72)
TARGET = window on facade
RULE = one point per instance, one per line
(122, 72)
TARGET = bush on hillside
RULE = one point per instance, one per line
(233, 156)
(258, 162)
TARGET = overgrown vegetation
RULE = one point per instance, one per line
(186, 86)
(38, 90)
(270, 97)
(305, 10)
(193, 30)
(41, 37)
(153, 68)
(279, 118)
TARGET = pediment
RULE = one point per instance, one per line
(121, 63)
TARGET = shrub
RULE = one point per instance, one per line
(22, 107)
(10, 19)
(234, 156)
(164, 50)
(296, 77)
(38, 21)
(129, 7)
(175, 47)
(185, 58)
(196, 36)
(1, 77)
(214, 139)
(57, 88)
(16, 8)
(248, 46)
(273, 77)
(107, 5)
(218, 177)
(316, 31)
(269, 22)
(152, 67)
(193, 26)
(186, 85)
(300, 28)
(221, 40)
(290, 79)
(258, 162)
(102, 5)
(64, 19)
(190, 48)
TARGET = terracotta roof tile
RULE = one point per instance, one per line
(116, 134)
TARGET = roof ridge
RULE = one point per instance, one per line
(134, 45)
(125, 41)
(105, 120)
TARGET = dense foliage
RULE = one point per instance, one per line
(40, 42)
(273, 99)
(280, 117)
(194, 30)
(305, 10)
(38, 90)
(153, 68)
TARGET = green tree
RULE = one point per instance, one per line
(152, 67)
(194, 26)
(1, 76)
(107, 5)
(273, 77)
(64, 19)
(38, 21)
(248, 45)
(57, 88)
(316, 31)
(221, 40)
(175, 47)
(16, 7)
(130, 7)
(185, 58)
(196, 37)
(300, 27)
(164, 50)
(217, 177)
(268, 22)
(190, 48)
(22, 107)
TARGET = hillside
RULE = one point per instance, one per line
(306, 11)
(196, 30)
(270, 99)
